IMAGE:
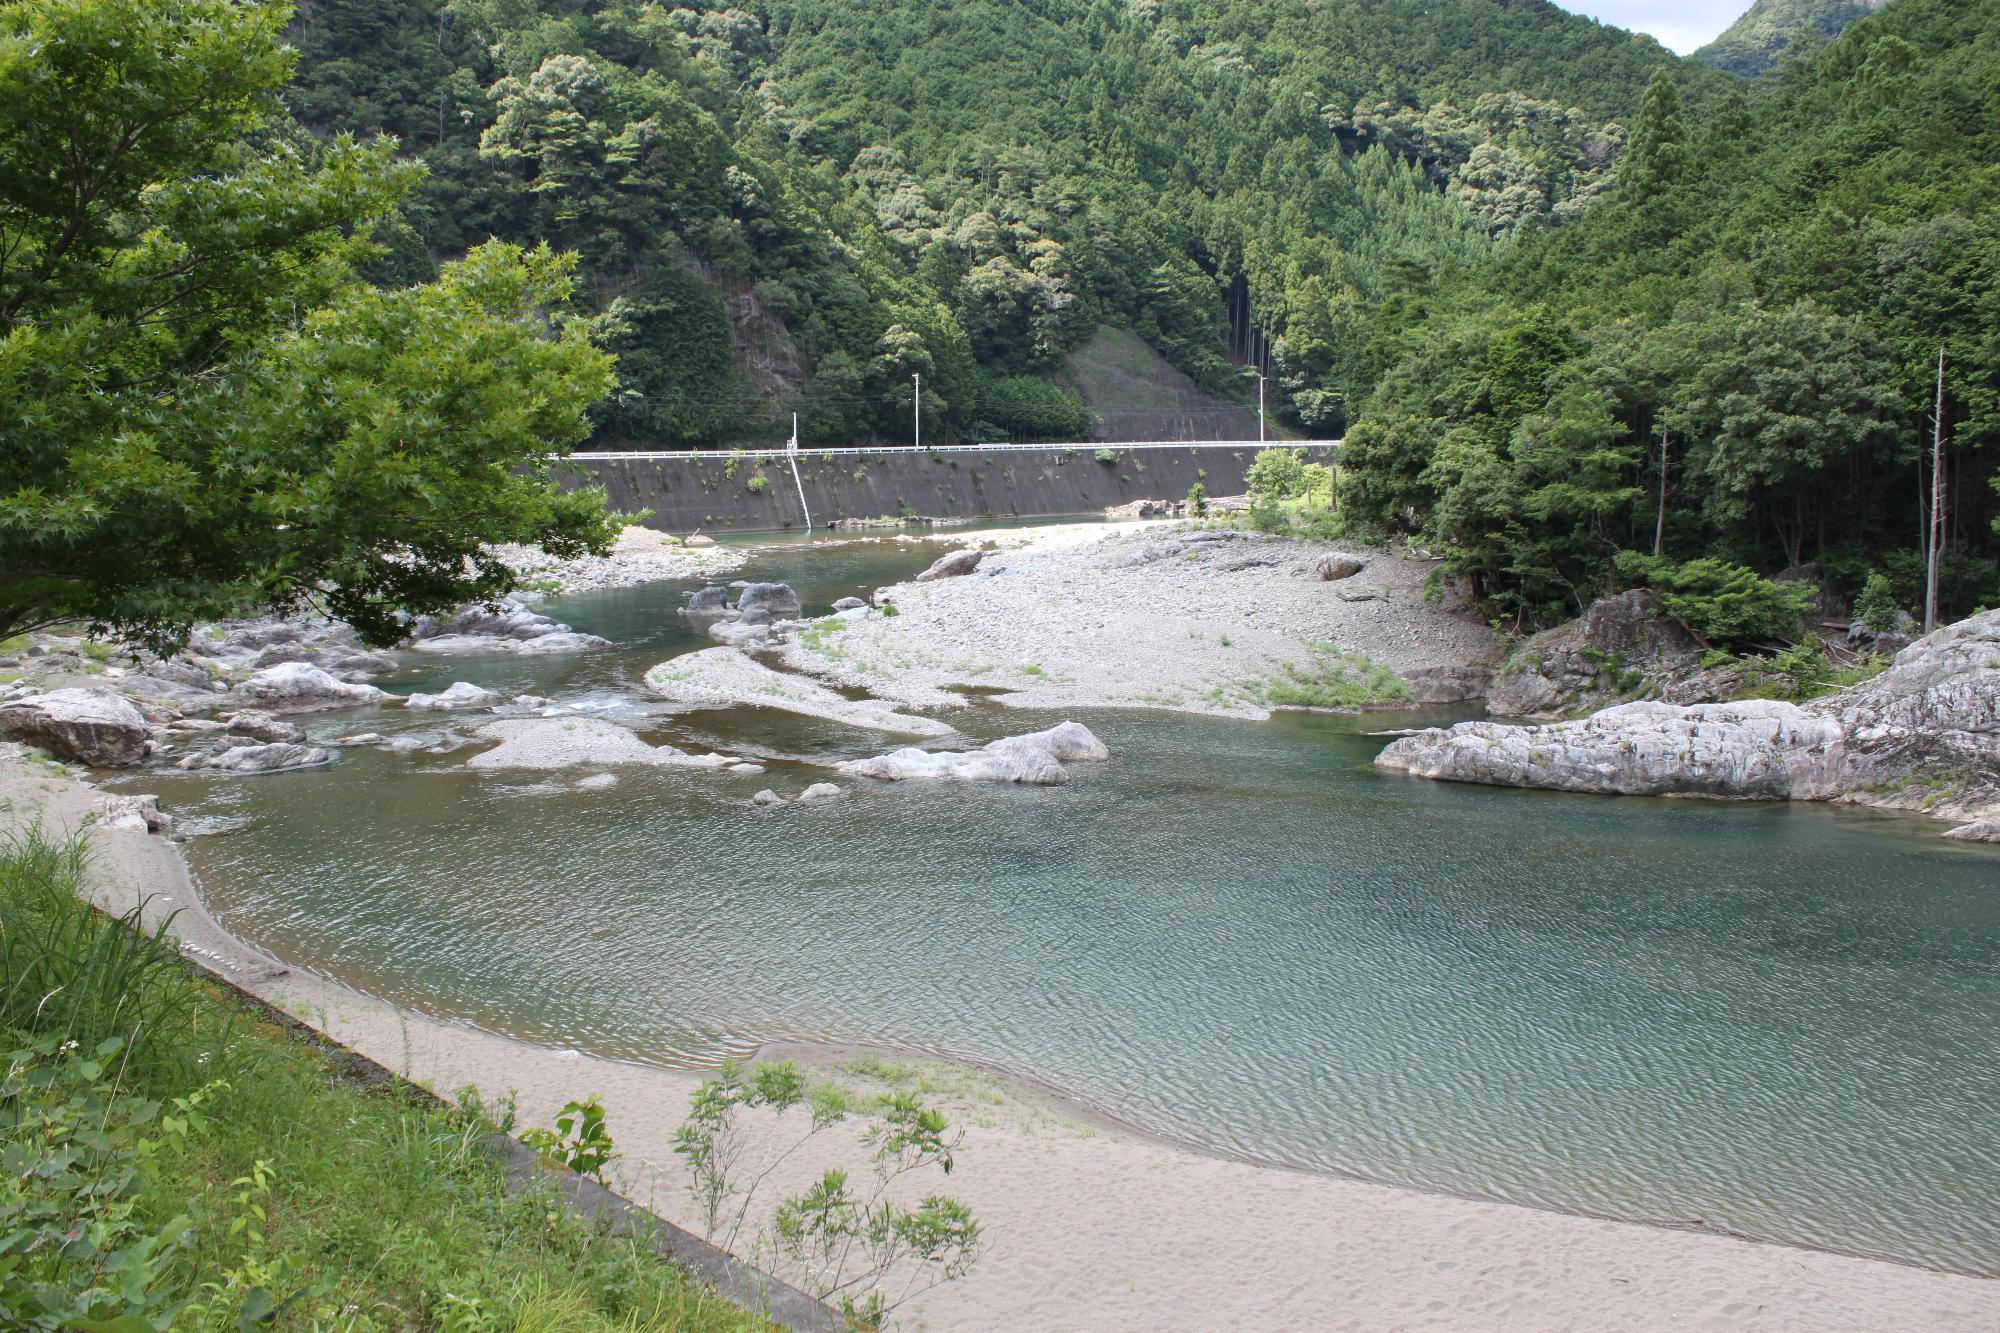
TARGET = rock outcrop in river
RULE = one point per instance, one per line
(1037, 757)
(1923, 735)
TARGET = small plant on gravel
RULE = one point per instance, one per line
(758, 484)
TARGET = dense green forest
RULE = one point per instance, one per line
(1764, 298)
(802, 204)
(1517, 257)
(1772, 32)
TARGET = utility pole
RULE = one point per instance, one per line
(917, 411)
(1660, 523)
(792, 456)
(1260, 409)
(1936, 535)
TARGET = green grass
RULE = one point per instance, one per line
(1336, 680)
(156, 1132)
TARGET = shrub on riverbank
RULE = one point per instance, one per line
(168, 1161)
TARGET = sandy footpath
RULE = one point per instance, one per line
(1092, 1228)
(1155, 615)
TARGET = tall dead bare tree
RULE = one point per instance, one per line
(1660, 522)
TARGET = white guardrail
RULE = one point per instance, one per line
(852, 451)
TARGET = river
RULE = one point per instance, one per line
(1778, 1021)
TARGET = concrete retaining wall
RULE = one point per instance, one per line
(710, 494)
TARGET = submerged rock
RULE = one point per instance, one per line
(955, 565)
(1925, 734)
(1038, 758)
(296, 687)
(91, 726)
(461, 694)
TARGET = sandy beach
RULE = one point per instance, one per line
(1089, 1226)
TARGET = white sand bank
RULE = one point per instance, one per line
(1091, 1228)
(1138, 615)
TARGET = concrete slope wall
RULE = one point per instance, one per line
(709, 494)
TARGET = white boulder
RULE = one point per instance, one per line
(297, 687)
(94, 727)
(1038, 758)
(461, 694)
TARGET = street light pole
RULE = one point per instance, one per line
(1260, 409)
(917, 411)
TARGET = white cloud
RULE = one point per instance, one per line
(1681, 27)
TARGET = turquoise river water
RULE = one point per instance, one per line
(1783, 1022)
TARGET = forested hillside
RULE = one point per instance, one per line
(1516, 256)
(1773, 31)
(802, 203)
(1763, 298)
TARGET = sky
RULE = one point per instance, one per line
(1680, 25)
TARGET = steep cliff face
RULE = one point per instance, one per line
(1924, 735)
(1771, 29)
(1617, 647)
(1133, 394)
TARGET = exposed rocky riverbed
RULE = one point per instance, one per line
(1206, 620)
(1923, 735)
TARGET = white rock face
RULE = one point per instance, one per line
(566, 742)
(93, 727)
(296, 687)
(1038, 757)
(461, 694)
(725, 678)
(820, 791)
(1925, 734)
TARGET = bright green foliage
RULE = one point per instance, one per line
(1197, 501)
(1027, 407)
(1276, 474)
(158, 1177)
(580, 1141)
(205, 410)
(1725, 605)
(1877, 607)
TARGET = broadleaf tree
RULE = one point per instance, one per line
(202, 408)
